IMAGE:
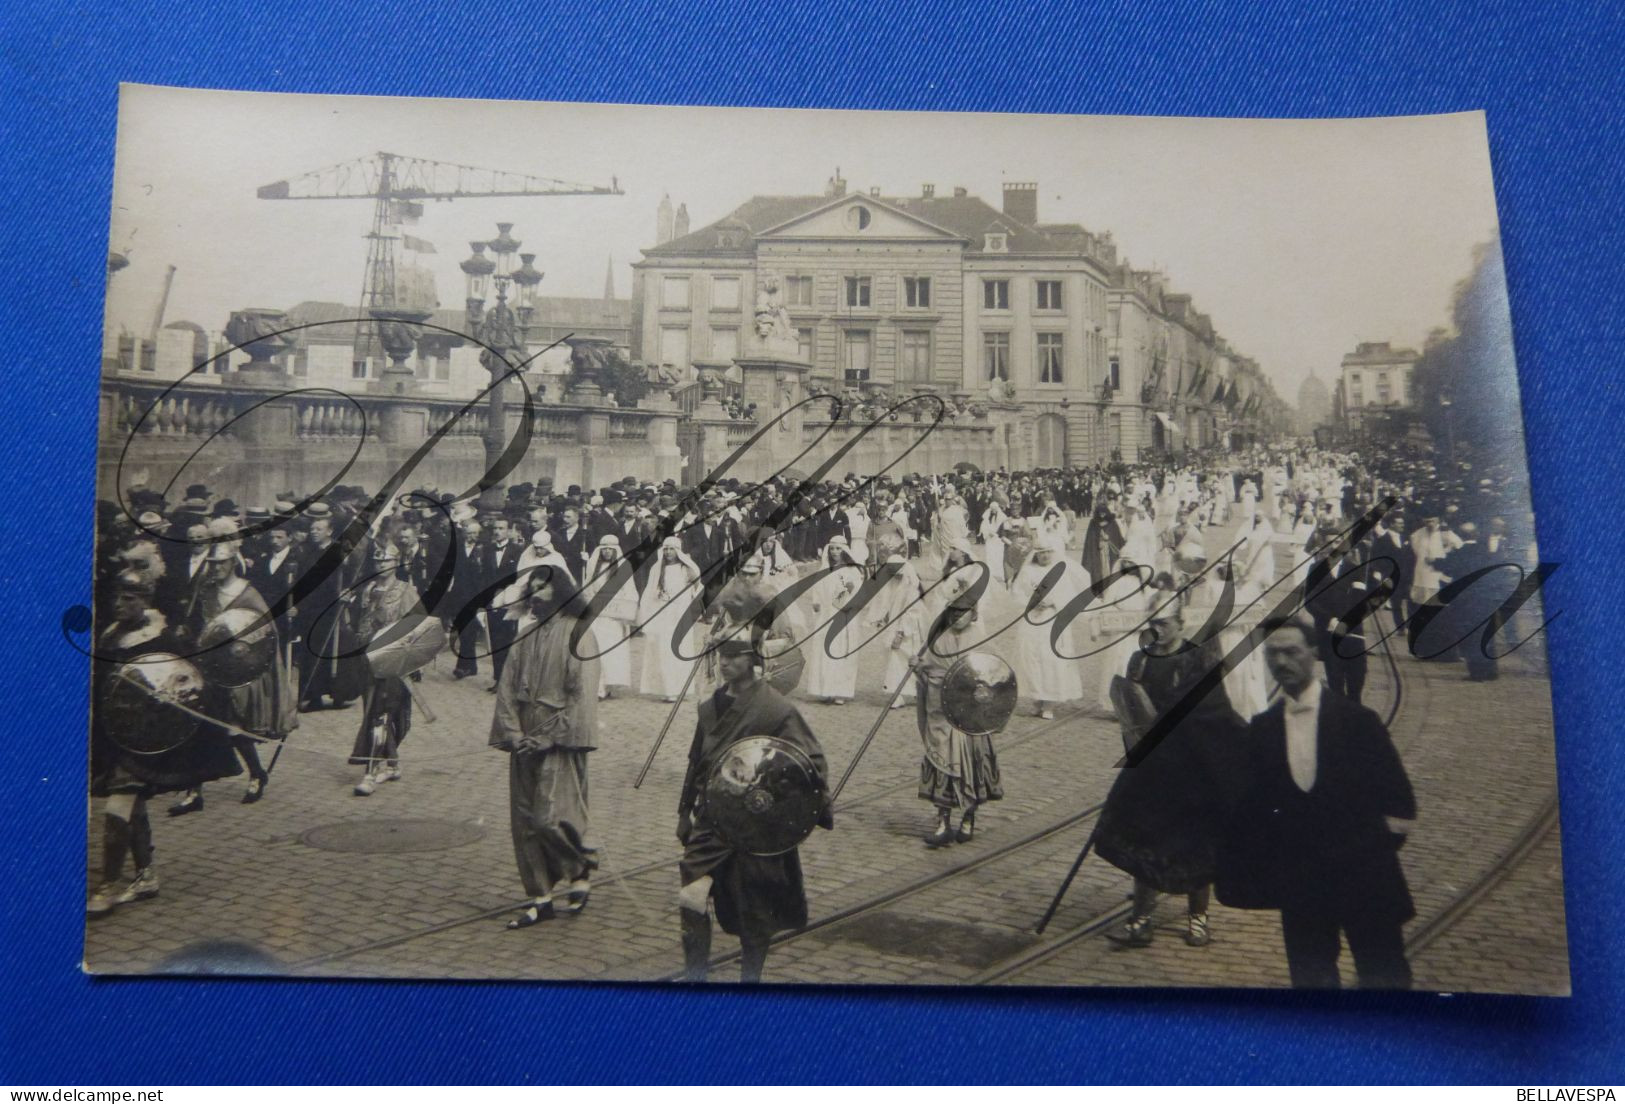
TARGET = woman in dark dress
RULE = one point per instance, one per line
(1163, 819)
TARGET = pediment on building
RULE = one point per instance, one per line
(855, 217)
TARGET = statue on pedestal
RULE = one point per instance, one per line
(774, 333)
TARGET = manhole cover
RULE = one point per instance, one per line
(376, 837)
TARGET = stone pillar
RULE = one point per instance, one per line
(668, 456)
(592, 431)
(777, 384)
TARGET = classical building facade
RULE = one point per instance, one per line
(1375, 380)
(1076, 355)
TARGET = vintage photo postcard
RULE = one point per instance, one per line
(564, 541)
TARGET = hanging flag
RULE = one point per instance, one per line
(417, 245)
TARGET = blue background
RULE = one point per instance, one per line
(1549, 77)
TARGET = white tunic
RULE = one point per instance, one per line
(824, 676)
(1042, 674)
(671, 587)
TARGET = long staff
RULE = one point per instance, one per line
(1066, 884)
(908, 677)
(665, 728)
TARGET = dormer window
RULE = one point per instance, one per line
(996, 243)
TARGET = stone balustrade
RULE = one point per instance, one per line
(250, 439)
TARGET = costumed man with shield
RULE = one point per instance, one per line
(755, 788)
(1165, 816)
(386, 714)
(964, 697)
(140, 744)
(547, 720)
(233, 636)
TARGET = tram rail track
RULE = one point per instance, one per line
(620, 877)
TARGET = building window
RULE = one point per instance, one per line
(857, 291)
(725, 342)
(804, 344)
(1051, 357)
(996, 243)
(1113, 374)
(798, 291)
(995, 294)
(1049, 295)
(358, 369)
(674, 346)
(725, 293)
(996, 356)
(857, 356)
(674, 293)
(858, 217)
(914, 363)
(916, 291)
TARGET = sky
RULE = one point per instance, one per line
(1299, 238)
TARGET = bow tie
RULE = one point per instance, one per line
(1294, 706)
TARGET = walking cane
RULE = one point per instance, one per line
(665, 728)
(1049, 913)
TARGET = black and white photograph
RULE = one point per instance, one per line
(562, 541)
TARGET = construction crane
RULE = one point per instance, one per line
(398, 185)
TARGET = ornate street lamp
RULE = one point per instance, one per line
(502, 334)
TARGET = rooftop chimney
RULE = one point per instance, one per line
(874, 191)
(927, 191)
(835, 186)
(679, 226)
(1021, 202)
(663, 221)
(961, 193)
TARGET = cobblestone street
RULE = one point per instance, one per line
(417, 880)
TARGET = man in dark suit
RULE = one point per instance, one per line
(501, 570)
(708, 541)
(273, 574)
(570, 537)
(461, 605)
(1315, 832)
(605, 519)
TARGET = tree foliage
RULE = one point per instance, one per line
(1466, 380)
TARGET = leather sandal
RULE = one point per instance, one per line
(531, 915)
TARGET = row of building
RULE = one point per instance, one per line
(946, 293)
(1040, 327)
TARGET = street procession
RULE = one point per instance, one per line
(895, 587)
(758, 617)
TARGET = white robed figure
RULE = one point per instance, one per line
(991, 531)
(1116, 618)
(673, 584)
(951, 529)
(857, 526)
(898, 617)
(614, 624)
(833, 678)
(1044, 675)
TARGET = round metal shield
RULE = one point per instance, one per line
(237, 647)
(396, 654)
(979, 694)
(139, 711)
(763, 796)
(783, 670)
